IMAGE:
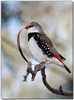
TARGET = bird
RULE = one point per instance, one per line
(41, 47)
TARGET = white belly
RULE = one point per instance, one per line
(35, 50)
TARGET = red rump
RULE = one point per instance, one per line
(58, 58)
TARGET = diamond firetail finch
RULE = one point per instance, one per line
(41, 46)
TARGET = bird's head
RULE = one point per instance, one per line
(33, 27)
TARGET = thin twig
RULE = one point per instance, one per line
(19, 47)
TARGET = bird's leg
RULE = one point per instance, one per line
(37, 68)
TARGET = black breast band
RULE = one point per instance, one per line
(31, 35)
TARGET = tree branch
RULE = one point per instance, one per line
(41, 68)
(59, 91)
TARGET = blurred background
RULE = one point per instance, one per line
(56, 20)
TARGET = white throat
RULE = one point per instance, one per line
(33, 29)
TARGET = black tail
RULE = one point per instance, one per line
(67, 68)
(62, 57)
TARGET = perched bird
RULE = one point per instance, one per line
(41, 46)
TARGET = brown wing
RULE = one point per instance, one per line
(46, 39)
(50, 45)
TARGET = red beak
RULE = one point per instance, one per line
(27, 27)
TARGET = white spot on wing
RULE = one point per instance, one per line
(46, 43)
(38, 36)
